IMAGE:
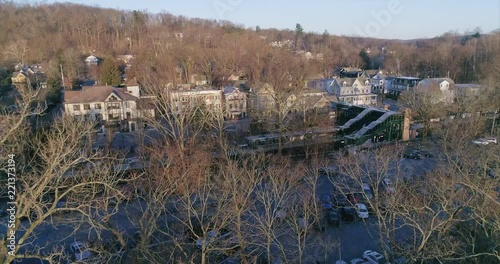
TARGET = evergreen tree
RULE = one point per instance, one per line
(366, 59)
(110, 74)
(299, 32)
(53, 91)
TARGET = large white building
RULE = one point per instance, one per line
(352, 91)
(122, 108)
(186, 100)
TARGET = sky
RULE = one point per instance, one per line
(387, 19)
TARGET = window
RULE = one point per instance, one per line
(127, 104)
(76, 107)
(97, 106)
(86, 107)
(128, 115)
(113, 105)
(113, 116)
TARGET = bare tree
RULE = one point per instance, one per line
(52, 173)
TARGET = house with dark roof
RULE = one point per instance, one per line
(402, 84)
(303, 101)
(33, 73)
(123, 108)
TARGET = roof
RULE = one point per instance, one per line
(131, 82)
(467, 86)
(372, 73)
(408, 78)
(91, 94)
(435, 82)
(231, 89)
(350, 81)
(314, 90)
(146, 103)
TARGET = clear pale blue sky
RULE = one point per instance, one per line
(408, 19)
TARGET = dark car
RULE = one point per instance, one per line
(348, 213)
(331, 216)
(340, 200)
(411, 155)
(426, 154)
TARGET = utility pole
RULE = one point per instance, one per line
(494, 119)
(62, 76)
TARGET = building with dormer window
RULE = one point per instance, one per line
(352, 91)
(112, 107)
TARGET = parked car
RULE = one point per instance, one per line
(328, 171)
(348, 213)
(388, 186)
(480, 141)
(411, 155)
(213, 235)
(425, 153)
(355, 198)
(491, 140)
(80, 251)
(280, 213)
(332, 216)
(361, 210)
(373, 257)
(29, 261)
(367, 189)
(339, 200)
(359, 261)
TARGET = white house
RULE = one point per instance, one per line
(122, 108)
(351, 91)
(441, 89)
(235, 102)
(381, 83)
(183, 100)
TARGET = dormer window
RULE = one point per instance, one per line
(344, 84)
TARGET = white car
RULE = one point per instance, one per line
(361, 211)
(480, 142)
(491, 140)
(212, 236)
(359, 261)
(388, 185)
(367, 190)
(373, 257)
(80, 251)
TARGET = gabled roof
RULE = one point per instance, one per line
(232, 89)
(131, 82)
(350, 81)
(15, 74)
(91, 94)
